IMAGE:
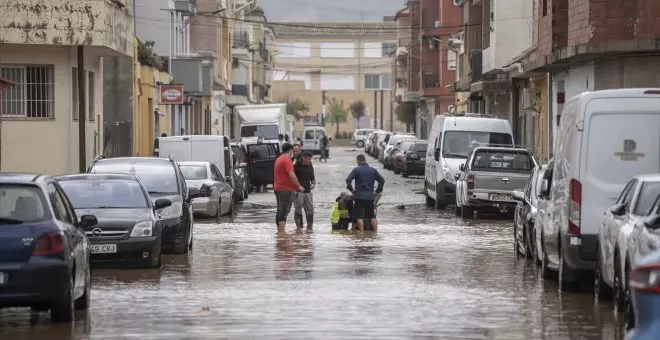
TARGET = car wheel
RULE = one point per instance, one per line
(360, 144)
(218, 210)
(601, 290)
(458, 211)
(528, 243)
(190, 237)
(405, 174)
(83, 302)
(467, 212)
(397, 171)
(439, 205)
(617, 288)
(546, 272)
(247, 192)
(241, 196)
(429, 201)
(565, 273)
(156, 260)
(62, 310)
(534, 249)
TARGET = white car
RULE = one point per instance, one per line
(360, 136)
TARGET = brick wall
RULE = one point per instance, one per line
(553, 25)
(414, 62)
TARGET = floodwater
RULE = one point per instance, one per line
(425, 275)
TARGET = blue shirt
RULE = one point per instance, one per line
(364, 177)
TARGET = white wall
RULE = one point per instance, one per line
(290, 76)
(512, 32)
(337, 82)
(337, 50)
(572, 83)
(292, 49)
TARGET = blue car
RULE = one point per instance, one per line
(644, 286)
(44, 253)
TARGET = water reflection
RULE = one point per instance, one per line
(364, 251)
(294, 256)
(22, 324)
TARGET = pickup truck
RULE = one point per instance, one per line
(489, 177)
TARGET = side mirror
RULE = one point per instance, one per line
(88, 221)
(461, 167)
(653, 222)
(618, 209)
(228, 179)
(286, 138)
(518, 195)
(280, 137)
(457, 176)
(436, 154)
(162, 203)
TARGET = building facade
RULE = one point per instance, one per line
(320, 63)
(52, 55)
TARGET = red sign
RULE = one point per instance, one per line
(171, 94)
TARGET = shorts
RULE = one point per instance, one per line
(363, 209)
(284, 202)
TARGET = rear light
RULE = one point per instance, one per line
(646, 279)
(49, 244)
(470, 181)
(574, 208)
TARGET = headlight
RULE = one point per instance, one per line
(448, 175)
(142, 229)
(173, 211)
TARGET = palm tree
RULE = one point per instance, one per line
(295, 106)
(337, 113)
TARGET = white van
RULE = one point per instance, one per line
(359, 137)
(449, 145)
(604, 139)
(205, 148)
(311, 139)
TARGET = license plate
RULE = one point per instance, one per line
(104, 248)
(501, 197)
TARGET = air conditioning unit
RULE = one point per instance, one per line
(527, 99)
(437, 24)
(223, 4)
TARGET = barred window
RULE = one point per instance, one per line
(32, 95)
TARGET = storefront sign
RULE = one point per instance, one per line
(171, 94)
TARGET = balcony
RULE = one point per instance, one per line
(241, 90)
(263, 52)
(476, 69)
(431, 85)
(109, 31)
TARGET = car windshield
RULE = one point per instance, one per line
(158, 177)
(109, 194)
(648, 194)
(261, 131)
(381, 138)
(22, 204)
(537, 185)
(502, 161)
(194, 172)
(419, 147)
(459, 144)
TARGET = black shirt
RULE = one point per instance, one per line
(305, 174)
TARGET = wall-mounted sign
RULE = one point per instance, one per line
(171, 94)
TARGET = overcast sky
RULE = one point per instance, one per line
(324, 10)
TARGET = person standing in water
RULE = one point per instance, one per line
(364, 176)
(304, 199)
(285, 186)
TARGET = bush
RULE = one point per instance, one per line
(338, 135)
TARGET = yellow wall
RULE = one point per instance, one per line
(541, 119)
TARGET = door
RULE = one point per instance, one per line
(310, 142)
(262, 163)
(220, 190)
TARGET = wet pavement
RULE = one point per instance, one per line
(426, 275)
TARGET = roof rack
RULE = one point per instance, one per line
(468, 114)
(475, 144)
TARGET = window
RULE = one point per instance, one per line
(91, 98)
(289, 76)
(215, 172)
(377, 81)
(647, 196)
(23, 203)
(544, 7)
(502, 161)
(458, 144)
(337, 50)
(337, 82)
(194, 172)
(31, 95)
(156, 176)
(92, 194)
(293, 49)
(379, 49)
(58, 205)
(261, 131)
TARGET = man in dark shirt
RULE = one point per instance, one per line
(297, 155)
(364, 177)
(304, 171)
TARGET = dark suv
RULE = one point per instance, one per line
(163, 179)
(128, 230)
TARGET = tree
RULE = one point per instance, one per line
(406, 113)
(336, 112)
(147, 57)
(295, 106)
(358, 109)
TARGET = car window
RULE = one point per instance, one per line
(309, 134)
(419, 147)
(216, 174)
(625, 191)
(22, 203)
(240, 155)
(194, 172)
(502, 161)
(647, 196)
(319, 134)
(629, 196)
(110, 194)
(458, 144)
(262, 151)
(157, 176)
(56, 202)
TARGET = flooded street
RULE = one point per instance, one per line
(427, 274)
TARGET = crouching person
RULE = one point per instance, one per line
(304, 201)
(341, 215)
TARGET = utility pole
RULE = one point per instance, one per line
(391, 114)
(82, 139)
(323, 108)
(382, 108)
(375, 109)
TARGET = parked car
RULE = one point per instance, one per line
(367, 142)
(602, 141)
(44, 253)
(359, 137)
(216, 193)
(387, 162)
(163, 179)
(524, 232)
(413, 158)
(128, 230)
(489, 177)
(394, 153)
(382, 144)
(241, 171)
(624, 237)
(449, 146)
(645, 292)
(372, 143)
